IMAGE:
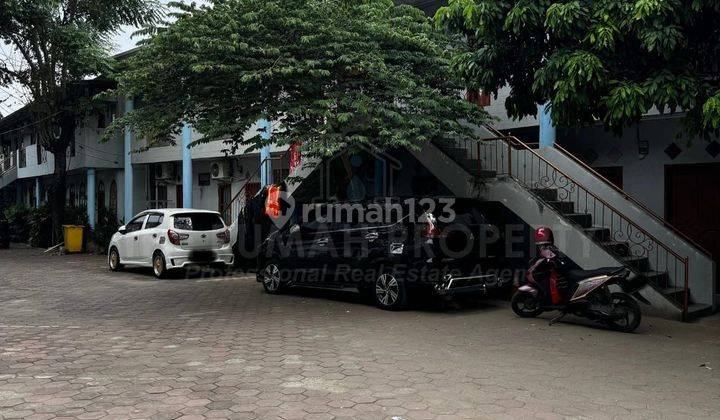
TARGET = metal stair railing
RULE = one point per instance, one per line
(622, 193)
(510, 156)
(632, 199)
(270, 165)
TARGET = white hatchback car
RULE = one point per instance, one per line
(165, 239)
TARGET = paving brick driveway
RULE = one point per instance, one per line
(79, 341)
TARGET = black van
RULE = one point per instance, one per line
(390, 249)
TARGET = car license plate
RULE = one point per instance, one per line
(202, 256)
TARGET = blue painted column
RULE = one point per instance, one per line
(91, 197)
(38, 200)
(128, 201)
(266, 176)
(547, 129)
(187, 171)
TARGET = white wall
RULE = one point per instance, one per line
(502, 121)
(643, 178)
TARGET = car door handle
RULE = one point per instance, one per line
(371, 236)
(135, 237)
(154, 235)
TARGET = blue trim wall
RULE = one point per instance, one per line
(128, 176)
(547, 129)
(187, 173)
(266, 176)
(91, 196)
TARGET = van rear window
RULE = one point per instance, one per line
(198, 221)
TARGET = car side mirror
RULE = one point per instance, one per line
(122, 229)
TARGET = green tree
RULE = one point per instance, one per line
(602, 60)
(335, 73)
(50, 48)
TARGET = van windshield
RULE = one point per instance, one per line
(198, 221)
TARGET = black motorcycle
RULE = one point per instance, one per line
(549, 286)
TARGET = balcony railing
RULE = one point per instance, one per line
(7, 162)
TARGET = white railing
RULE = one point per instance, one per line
(7, 161)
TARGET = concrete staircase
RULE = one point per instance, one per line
(8, 177)
(507, 170)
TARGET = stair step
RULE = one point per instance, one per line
(618, 248)
(582, 219)
(697, 310)
(658, 278)
(457, 153)
(673, 293)
(638, 263)
(563, 206)
(443, 143)
(601, 234)
(469, 164)
(547, 194)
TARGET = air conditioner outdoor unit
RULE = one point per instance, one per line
(165, 170)
(220, 170)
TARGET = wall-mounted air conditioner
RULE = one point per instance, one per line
(220, 170)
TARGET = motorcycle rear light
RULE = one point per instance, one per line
(224, 237)
(175, 237)
(430, 230)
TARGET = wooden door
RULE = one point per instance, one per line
(692, 203)
(179, 195)
(224, 197)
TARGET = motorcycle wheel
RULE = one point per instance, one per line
(632, 310)
(525, 305)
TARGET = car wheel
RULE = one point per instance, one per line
(390, 292)
(271, 278)
(114, 260)
(158, 265)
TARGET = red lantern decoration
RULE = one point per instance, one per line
(272, 202)
(294, 155)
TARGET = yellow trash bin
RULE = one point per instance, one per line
(73, 238)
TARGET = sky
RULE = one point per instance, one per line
(12, 98)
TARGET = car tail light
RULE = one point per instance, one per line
(430, 230)
(224, 236)
(175, 237)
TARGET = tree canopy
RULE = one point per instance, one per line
(602, 60)
(334, 73)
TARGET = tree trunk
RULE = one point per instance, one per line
(58, 188)
(57, 192)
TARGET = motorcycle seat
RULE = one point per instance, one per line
(578, 275)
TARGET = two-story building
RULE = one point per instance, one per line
(124, 175)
